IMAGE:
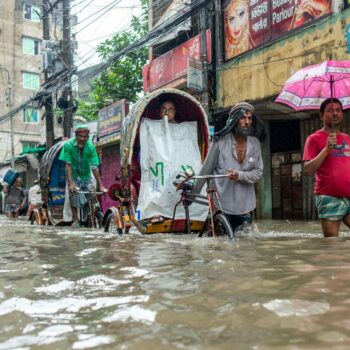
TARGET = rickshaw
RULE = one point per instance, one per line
(53, 186)
(126, 190)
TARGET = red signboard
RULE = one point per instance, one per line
(173, 64)
(249, 23)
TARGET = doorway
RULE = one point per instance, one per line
(286, 170)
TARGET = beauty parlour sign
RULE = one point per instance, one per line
(250, 23)
(173, 64)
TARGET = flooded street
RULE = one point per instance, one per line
(285, 288)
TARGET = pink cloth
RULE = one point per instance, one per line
(333, 176)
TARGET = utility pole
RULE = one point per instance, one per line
(9, 104)
(204, 58)
(67, 61)
(48, 95)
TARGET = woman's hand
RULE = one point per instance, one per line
(315, 8)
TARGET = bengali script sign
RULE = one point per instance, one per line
(173, 64)
(250, 23)
(110, 118)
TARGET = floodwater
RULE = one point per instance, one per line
(285, 287)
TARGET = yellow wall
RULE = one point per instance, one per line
(261, 73)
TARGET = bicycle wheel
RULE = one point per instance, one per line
(98, 218)
(110, 225)
(223, 227)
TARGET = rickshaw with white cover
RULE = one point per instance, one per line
(154, 155)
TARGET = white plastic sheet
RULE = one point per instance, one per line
(166, 150)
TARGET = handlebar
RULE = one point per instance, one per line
(201, 176)
(88, 192)
(187, 185)
(208, 176)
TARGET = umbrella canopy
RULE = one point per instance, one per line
(311, 85)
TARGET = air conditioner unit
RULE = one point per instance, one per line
(74, 44)
(47, 60)
(47, 44)
(73, 20)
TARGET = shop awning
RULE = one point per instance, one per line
(31, 150)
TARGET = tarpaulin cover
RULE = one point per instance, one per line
(166, 150)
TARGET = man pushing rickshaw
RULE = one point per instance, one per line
(164, 137)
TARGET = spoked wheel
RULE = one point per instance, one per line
(223, 227)
(98, 219)
(110, 225)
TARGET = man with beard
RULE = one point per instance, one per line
(236, 152)
(81, 159)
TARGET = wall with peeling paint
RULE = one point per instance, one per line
(260, 73)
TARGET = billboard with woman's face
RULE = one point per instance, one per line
(249, 23)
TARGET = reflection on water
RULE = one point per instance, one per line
(283, 287)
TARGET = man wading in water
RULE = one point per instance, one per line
(236, 152)
(327, 154)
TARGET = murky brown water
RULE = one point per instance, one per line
(284, 288)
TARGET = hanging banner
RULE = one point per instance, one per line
(250, 23)
(195, 74)
(173, 64)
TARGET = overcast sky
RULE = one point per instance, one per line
(98, 20)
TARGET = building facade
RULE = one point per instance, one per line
(281, 39)
(20, 74)
(253, 48)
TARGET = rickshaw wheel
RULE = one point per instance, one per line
(223, 226)
(110, 225)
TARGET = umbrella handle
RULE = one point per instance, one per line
(332, 94)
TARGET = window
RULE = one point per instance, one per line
(32, 12)
(31, 115)
(30, 46)
(31, 81)
(28, 144)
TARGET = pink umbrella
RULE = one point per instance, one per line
(311, 85)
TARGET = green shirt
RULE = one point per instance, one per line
(81, 163)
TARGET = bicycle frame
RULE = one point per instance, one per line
(211, 199)
(91, 205)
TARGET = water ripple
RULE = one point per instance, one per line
(296, 307)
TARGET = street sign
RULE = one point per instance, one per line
(194, 74)
(110, 119)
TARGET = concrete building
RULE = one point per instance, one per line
(20, 74)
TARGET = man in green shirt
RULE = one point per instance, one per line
(81, 158)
